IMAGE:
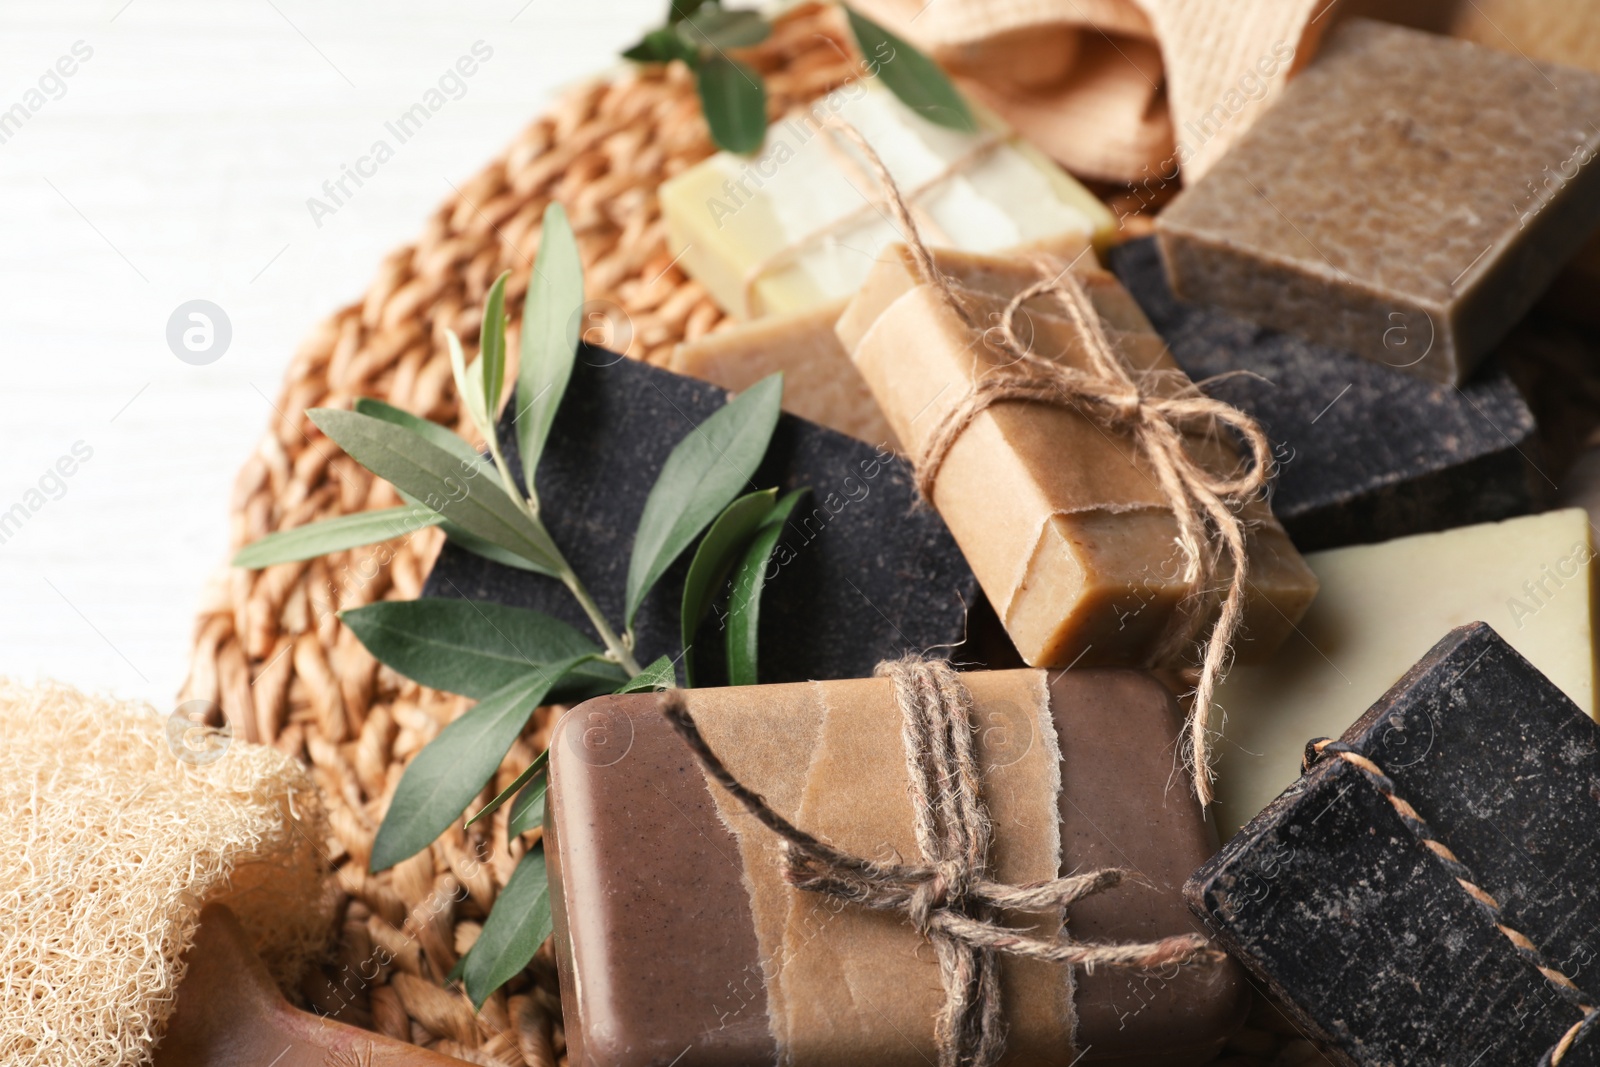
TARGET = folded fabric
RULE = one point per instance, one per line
(1120, 90)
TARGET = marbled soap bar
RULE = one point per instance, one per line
(858, 576)
(1398, 200)
(659, 928)
(819, 381)
(801, 223)
(1349, 913)
(1531, 578)
(1061, 521)
(1363, 454)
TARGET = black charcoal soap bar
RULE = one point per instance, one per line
(1365, 452)
(859, 576)
(1504, 772)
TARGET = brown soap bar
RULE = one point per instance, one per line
(656, 888)
(819, 381)
(229, 1014)
(1061, 521)
(1408, 199)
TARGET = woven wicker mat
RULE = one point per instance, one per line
(270, 651)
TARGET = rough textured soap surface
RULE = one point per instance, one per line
(1380, 608)
(1407, 199)
(858, 577)
(657, 945)
(1364, 935)
(1363, 454)
(801, 223)
(1063, 522)
(819, 381)
(1338, 907)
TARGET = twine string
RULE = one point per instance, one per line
(1204, 503)
(950, 897)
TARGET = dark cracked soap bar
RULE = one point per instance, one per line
(1364, 454)
(1333, 896)
(860, 575)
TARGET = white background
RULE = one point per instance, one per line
(176, 166)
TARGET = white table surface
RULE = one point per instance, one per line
(175, 165)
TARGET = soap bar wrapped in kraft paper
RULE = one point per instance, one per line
(877, 871)
(1061, 507)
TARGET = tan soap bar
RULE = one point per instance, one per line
(819, 381)
(1408, 199)
(1381, 608)
(1061, 521)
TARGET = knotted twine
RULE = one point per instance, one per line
(1108, 393)
(949, 897)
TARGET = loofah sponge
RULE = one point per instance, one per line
(110, 845)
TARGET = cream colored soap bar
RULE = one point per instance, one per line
(1061, 521)
(819, 381)
(1381, 608)
(801, 224)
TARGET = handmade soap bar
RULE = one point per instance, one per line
(800, 224)
(1352, 895)
(1363, 454)
(229, 1014)
(1061, 521)
(859, 575)
(651, 863)
(1395, 201)
(819, 381)
(1530, 578)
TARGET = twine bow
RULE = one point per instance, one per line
(949, 898)
(1110, 395)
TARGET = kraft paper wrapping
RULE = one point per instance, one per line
(1061, 520)
(848, 985)
(1122, 90)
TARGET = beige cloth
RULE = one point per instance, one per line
(1119, 90)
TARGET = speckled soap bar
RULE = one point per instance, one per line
(1335, 897)
(1363, 454)
(1407, 199)
(860, 575)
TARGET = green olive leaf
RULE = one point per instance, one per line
(659, 675)
(438, 479)
(713, 559)
(744, 604)
(527, 811)
(911, 75)
(476, 647)
(455, 766)
(549, 337)
(451, 442)
(734, 102)
(682, 9)
(714, 27)
(335, 535)
(529, 772)
(492, 344)
(442, 436)
(469, 383)
(662, 46)
(703, 474)
(517, 925)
